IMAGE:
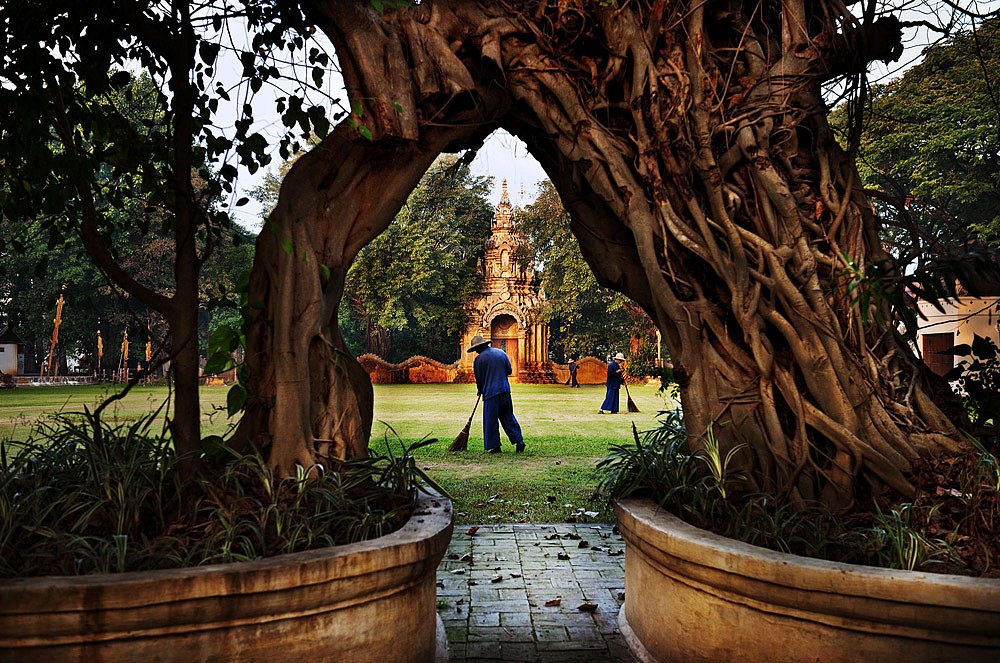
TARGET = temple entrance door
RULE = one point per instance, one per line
(504, 335)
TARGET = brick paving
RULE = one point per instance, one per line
(533, 593)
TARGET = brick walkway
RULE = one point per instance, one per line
(534, 593)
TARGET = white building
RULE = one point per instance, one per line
(957, 324)
(9, 350)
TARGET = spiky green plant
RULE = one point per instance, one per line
(83, 497)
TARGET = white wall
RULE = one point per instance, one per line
(964, 318)
(8, 358)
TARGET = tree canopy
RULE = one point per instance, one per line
(931, 139)
(584, 317)
(109, 119)
(406, 291)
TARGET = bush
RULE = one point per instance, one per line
(81, 497)
(693, 486)
(978, 380)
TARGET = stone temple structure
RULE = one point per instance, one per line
(507, 311)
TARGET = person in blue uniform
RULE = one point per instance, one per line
(491, 369)
(616, 378)
(572, 373)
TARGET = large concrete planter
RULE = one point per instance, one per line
(372, 601)
(694, 596)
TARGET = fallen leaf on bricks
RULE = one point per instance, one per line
(472, 530)
(497, 578)
(583, 544)
(563, 556)
(587, 607)
(553, 602)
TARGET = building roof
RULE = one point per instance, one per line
(8, 336)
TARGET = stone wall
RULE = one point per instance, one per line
(590, 370)
(415, 370)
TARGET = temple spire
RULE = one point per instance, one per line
(503, 220)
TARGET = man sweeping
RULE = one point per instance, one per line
(491, 369)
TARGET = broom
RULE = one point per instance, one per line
(631, 404)
(461, 442)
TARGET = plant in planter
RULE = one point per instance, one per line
(949, 528)
(712, 590)
(75, 505)
(105, 552)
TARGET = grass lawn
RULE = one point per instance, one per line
(551, 481)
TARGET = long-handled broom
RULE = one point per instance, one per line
(461, 442)
(631, 404)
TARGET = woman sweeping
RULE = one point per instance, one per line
(616, 378)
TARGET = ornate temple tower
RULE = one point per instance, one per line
(506, 314)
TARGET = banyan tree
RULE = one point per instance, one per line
(689, 142)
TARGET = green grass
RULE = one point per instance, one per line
(22, 408)
(551, 481)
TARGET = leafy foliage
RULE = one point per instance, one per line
(407, 290)
(110, 131)
(73, 503)
(900, 534)
(931, 142)
(584, 318)
(978, 378)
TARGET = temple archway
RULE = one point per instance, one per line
(504, 335)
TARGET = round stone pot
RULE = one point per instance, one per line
(691, 595)
(373, 601)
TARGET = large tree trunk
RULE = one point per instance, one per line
(688, 141)
(310, 402)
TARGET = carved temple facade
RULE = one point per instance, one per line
(507, 311)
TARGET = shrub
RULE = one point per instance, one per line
(73, 502)
(693, 486)
(978, 380)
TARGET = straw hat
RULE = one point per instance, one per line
(619, 357)
(477, 342)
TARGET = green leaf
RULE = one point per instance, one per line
(236, 399)
(208, 51)
(983, 348)
(219, 362)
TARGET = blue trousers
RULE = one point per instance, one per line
(499, 411)
(611, 400)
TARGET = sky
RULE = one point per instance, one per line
(504, 156)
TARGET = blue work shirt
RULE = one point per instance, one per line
(491, 368)
(615, 377)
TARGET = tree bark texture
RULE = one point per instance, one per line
(689, 143)
(310, 402)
